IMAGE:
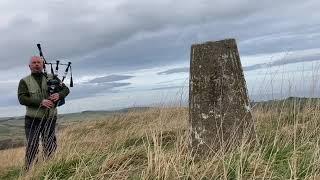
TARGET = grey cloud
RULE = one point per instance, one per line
(118, 36)
(285, 61)
(295, 57)
(110, 78)
(146, 53)
(173, 81)
(175, 70)
(89, 90)
(79, 91)
(139, 54)
(83, 31)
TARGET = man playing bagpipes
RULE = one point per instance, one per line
(41, 93)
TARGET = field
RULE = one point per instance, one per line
(153, 144)
(12, 128)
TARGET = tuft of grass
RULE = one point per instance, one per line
(62, 169)
(12, 173)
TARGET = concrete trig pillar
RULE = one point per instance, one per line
(219, 107)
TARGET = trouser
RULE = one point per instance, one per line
(34, 128)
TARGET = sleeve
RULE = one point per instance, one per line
(24, 96)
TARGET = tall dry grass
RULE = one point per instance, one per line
(153, 144)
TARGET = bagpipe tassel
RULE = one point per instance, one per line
(71, 80)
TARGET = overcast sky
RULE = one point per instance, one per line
(134, 53)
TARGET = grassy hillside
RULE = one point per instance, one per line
(153, 144)
(12, 128)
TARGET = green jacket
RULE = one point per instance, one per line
(32, 90)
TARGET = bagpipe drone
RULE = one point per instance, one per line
(54, 83)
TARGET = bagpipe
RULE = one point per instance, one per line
(54, 83)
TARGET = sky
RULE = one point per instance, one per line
(137, 53)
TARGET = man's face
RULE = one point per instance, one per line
(36, 64)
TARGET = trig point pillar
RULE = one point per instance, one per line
(219, 109)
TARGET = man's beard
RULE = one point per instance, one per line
(37, 71)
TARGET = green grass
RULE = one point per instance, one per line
(12, 173)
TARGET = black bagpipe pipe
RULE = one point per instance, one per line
(54, 83)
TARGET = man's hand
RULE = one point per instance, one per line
(54, 97)
(47, 103)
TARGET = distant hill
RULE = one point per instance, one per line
(124, 110)
(99, 112)
(290, 102)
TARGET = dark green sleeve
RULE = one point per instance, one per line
(24, 96)
(64, 91)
